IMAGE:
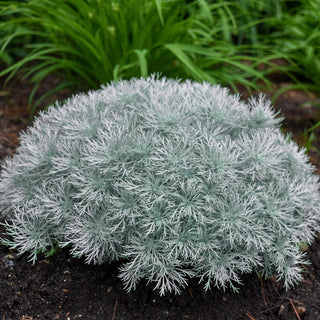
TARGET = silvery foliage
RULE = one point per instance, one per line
(177, 179)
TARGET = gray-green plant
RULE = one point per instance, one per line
(175, 179)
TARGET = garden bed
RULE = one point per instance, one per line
(61, 287)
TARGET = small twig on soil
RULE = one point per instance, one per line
(263, 295)
(307, 282)
(115, 309)
(269, 309)
(293, 306)
(295, 310)
(250, 316)
(14, 255)
(288, 299)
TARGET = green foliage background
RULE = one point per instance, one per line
(92, 42)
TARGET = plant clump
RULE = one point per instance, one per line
(176, 179)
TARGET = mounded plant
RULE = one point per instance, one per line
(176, 179)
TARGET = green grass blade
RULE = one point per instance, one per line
(141, 54)
(159, 9)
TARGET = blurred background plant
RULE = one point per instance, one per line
(92, 42)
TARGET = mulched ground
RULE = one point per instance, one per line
(61, 287)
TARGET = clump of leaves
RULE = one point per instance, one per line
(92, 42)
(178, 179)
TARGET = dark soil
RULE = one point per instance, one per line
(61, 287)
